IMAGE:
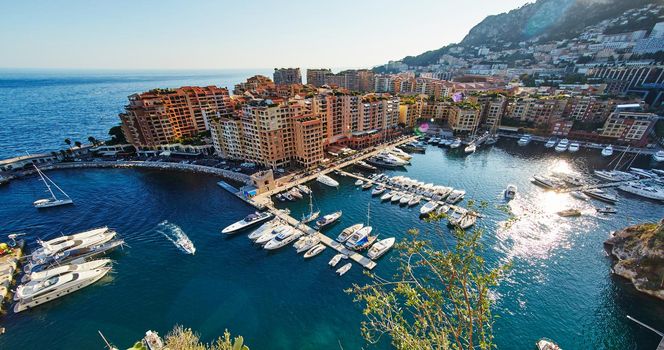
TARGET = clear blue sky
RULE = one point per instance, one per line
(184, 34)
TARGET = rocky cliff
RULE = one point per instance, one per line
(639, 251)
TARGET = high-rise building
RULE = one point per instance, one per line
(630, 124)
(316, 77)
(464, 118)
(164, 116)
(286, 76)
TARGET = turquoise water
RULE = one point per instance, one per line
(560, 285)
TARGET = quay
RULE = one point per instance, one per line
(9, 264)
(591, 145)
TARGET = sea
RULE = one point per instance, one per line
(560, 285)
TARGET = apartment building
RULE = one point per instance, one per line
(464, 118)
(164, 116)
(286, 76)
(619, 79)
(308, 138)
(537, 110)
(630, 124)
(316, 77)
(254, 84)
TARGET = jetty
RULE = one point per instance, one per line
(9, 264)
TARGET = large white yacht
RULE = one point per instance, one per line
(249, 221)
(380, 248)
(268, 235)
(326, 180)
(38, 292)
(343, 236)
(63, 269)
(643, 191)
(284, 238)
(67, 243)
(266, 227)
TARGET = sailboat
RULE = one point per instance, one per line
(313, 215)
(53, 201)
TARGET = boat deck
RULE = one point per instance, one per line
(598, 185)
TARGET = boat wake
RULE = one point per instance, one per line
(174, 233)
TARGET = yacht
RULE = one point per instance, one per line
(283, 239)
(574, 147)
(396, 197)
(643, 191)
(378, 190)
(315, 250)
(249, 221)
(359, 237)
(269, 235)
(658, 156)
(295, 193)
(547, 344)
(467, 220)
(614, 175)
(545, 182)
(38, 292)
(304, 189)
(387, 196)
(607, 151)
(347, 232)
(326, 180)
(643, 173)
(471, 148)
(266, 227)
(510, 192)
(428, 208)
(456, 196)
(305, 243)
(328, 220)
(380, 248)
(365, 165)
(63, 269)
(456, 215)
(335, 260)
(401, 154)
(579, 195)
(442, 209)
(48, 250)
(74, 256)
(551, 142)
(524, 140)
(57, 243)
(359, 182)
(53, 201)
(367, 185)
(601, 195)
(562, 145)
(456, 143)
(342, 270)
(414, 201)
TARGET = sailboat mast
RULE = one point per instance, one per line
(368, 213)
(42, 176)
(56, 186)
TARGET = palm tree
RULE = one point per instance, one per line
(78, 144)
(92, 140)
(68, 142)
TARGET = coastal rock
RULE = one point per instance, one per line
(639, 251)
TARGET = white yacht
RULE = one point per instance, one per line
(551, 142)
(456, 143)
(428, 207)
(510, 192)
(328, 220)
(38, 292)
(562, 145)
(456, 215)
(524, 140)
(284, 238)
(614, 175)
(326, 180)
(401, 154)
(249, 221)
(643, 191)
(53, 201)
(467, 220)
(601, 195)
(471, 148)
(305, 243)
(380, 248)
(269, 235)
(387, 196)
(357, 238)
(607, 151)
(574, 147)
(63, 269)
(266, 227)
(347, 232)
(295, 193)
(359, 183)
(342, 270)
(658, 156)
(456, 196)
(579, 195)
(47, 250)
(315, 250)
(335, 260)
(378, 190)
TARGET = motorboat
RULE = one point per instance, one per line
(249, 221)
(358, 237)
(614, 175)
(405, 199)
(396, 197)
(456, 196)
(643, 190)
(456, 143)
(269, 235)
(467, 220)
(658, 156)
(295, 193)
(607, 210)
(546, 182)
(335, 260)
(562, 145)
(380, 248)
(280, 197)
(304, 189)
(347, 232)
(266, 227)
(598, 194)
(305, 243)
(37, 292)
(359, 182)
(365, 165)
(74, 256)
(387, 196)
(643, 173)
(315, 250)
(428, 207)
(326, 180)
(524, 140)
(48, 250)
(574, 147)
(471, 148)
(546, 344)
(551, 142)
(579, 195)
(153, 341)
(510, 192)
(283, 239)
(327, 220)
(367, 185)
(454, 218)
(63, 269)
(442, 209)
(415, 200)
(607, 151)
(342, 270)
(569, 212)
(378, 190)
(52, 201)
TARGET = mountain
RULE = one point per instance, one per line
(543, 20)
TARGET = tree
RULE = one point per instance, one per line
(78, 144)
(117, 136)
(438, 299)
(185, 339)
(92, 140)
(68, 142)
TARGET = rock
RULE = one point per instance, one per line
(639, 251)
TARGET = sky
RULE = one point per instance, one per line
(198, 34)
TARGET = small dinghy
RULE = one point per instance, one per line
(335, 260)
(342, 270)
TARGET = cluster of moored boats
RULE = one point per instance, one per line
(64, 265)
(293, 194)
(391, 158)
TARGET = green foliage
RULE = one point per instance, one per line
(181, 338)
(437, 300)
(117, 136)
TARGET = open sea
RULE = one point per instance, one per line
(560, 285)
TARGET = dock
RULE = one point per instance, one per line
(9, 264)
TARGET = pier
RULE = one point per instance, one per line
(9, 264)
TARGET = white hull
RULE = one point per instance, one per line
(48, 203)
(249, 221)
(326, 180)
(643, 191)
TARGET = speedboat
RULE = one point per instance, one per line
(546, 344)
(467, 220)
(456, 143)
(359, 182)
(579, 195)
(428, 207)
(442, 209)
(284, 238)
(269, 235)
(249, 221)
(396, 197)
(405, 199)
(345, 234)
(38, 292)
(551, 142)
(305, 243)
(335, 260)
(607, 151)
(328, 220)
(524, 140)
(607, 210)
(378, 190)
(574, 147)
(63, 269)
(562, 145)
(387, 196)
(304, 189)
(326, 180)
(367, 185)
(643, 190)
(342, 270)
(415, 200)
(658, 156)
(545, 182)
(510, 192)
(601, 195)
(456, 215)
(266, 227)
(315, 250)
(569, 212)
(380, 248)
(471, 148)
(358, 237)
(456, 196)
(614, 175)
